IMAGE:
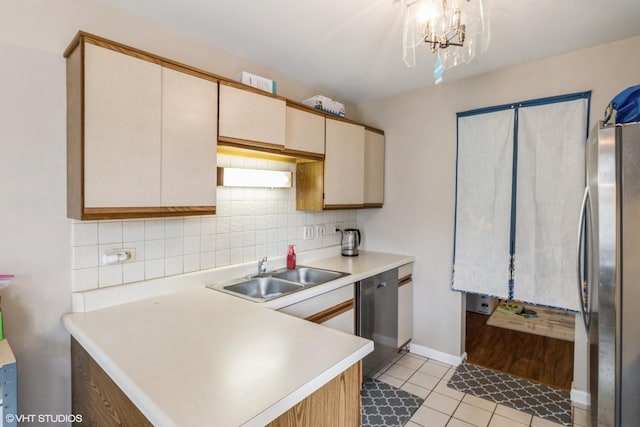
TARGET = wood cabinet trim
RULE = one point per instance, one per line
(330, 207)
(405, 280)
(332, 312)
(83, 37)
(373, 205)
(305, 108)
(303, 154)
(374, 130)
(245, 143)
(150, 212)
(337, 403)
(248, 88)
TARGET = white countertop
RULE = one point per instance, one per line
(199, 356)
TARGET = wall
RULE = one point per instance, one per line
(420, 129)
(250, 223)
(35, 233)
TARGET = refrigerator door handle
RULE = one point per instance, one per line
(582, 287)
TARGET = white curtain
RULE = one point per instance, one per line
(550, 183)
(483, 203)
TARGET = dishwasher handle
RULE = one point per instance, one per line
(382, 285)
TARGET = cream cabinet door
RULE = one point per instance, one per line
(122, 101)
(189, 139)
(344, 165)
(251, 118)
(334, 309)
(345, 322)
(373, 168)
(304, 131)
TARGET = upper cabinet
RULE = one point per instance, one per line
(344, 165)
(249, 119)
(141, 138)
(352, 174)
(304, 132)
(143, 134)
(373, 168)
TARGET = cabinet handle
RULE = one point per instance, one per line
(382, 285)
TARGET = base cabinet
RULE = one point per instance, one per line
(102, 403)
(405, 305)
(334, 309)
(337, 403)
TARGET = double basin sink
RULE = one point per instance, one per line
(277, 283)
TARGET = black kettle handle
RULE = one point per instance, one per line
(359, 236)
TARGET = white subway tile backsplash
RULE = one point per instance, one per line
(191, 262)
(133, 230)
(133, 271)
(154, 249)
(85, 234)
(173, 265)
(174, 247)
(192, 245)
(153, 268)
(110, 275)
(85, 279)
(85, 256)
(173, 227)
(250, 223)
(192, 226)
(153, 229)
(110, 232)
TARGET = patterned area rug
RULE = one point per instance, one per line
(385, 405)
(535, 399)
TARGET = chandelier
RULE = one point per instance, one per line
(453, 29)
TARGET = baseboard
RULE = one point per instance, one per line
(580, 398)
(436, 355)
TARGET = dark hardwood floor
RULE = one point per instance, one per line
(534, 357)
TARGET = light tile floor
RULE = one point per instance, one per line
(444, 406)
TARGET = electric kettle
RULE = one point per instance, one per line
(351, 240)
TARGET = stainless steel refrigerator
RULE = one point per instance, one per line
(609, 273)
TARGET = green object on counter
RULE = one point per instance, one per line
(1, 327)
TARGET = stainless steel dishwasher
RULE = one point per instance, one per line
(377, 319)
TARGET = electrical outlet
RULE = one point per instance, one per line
(321, 230)
(309, 232)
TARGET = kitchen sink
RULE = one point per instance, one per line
(267, 286)
(259, 288)
(307, 275)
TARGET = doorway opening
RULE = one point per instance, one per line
(537, 357)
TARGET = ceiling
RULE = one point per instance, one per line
(352, 49)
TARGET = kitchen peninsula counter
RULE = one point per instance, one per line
(202, 357)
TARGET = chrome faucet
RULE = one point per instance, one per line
(262, 266)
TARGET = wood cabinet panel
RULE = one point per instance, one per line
(304, 131)
(373, 168)
(250, 118)
(122, 114)
(96, 397)
(337, 403)
(344, 164)
(189, 139)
